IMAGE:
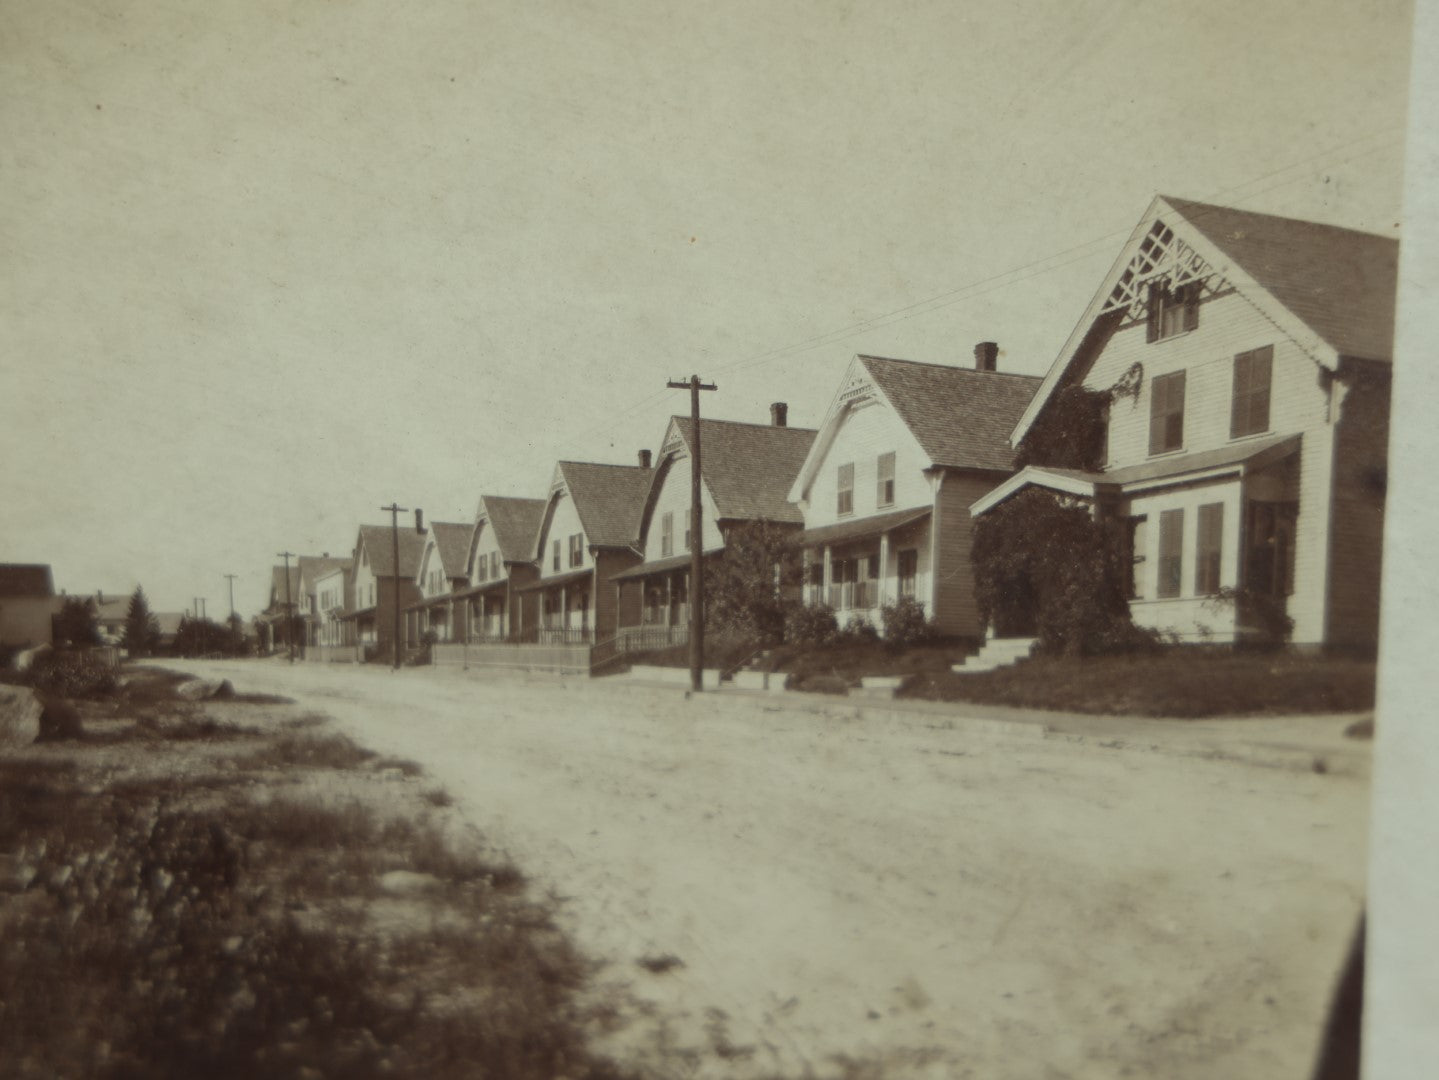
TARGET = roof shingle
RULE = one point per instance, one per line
(26, 579)
(452, 540)
(515, 521)
(749, 468)
(377, 540)
(609, 500)
(961, 417)
(1341, 283)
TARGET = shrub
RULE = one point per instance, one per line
(857, 631)
(811, 624)
(905, 623)
(1054, 563)
(748, 590)
(66, 674)
(1266, 613)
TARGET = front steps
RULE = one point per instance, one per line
(997, 653)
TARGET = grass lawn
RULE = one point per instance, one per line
(1175, 683)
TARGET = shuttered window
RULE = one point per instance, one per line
(667, 535)
(577, 549)
(884, 493)
(1166, 413)
(1208, 548)
(1171, 553)
(556, 563)
(1137, 542)
(1171, 311)
(1249, 413)
(845, 503)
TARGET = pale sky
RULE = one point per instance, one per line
(268, 266)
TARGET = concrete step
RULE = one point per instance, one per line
(996, 653)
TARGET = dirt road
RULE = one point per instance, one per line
(899, 896)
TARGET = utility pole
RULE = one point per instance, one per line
(697, 581)
(230, 622)
(395, 510)
(289, 606)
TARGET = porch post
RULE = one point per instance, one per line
(882, 586)
(828, 578)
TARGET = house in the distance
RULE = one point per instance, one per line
(380, 583)
(589, 532)
(334, 590)
(746, 473)
(442, 572)
(1248, 457)
(885, 490)
(27, 604)
(501, 562)
(309, 569)
(279, 623)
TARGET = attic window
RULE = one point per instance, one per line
(845, 502)
(1171, 311)
(667, 535)
(884, 494)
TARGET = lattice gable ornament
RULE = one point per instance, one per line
(1162, 256)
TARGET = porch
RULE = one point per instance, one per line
(856, 568)
(659, 591)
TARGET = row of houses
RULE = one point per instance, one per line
(1249, 453)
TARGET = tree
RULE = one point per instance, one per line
(749, 589)
(77, 623)
(142, 629)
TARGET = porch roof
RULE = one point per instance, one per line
(475, 590)
(661, 566)
(1238, 458)
(558, 579)
(357, 613)
(863, 527)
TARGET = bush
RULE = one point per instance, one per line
(857, 631)
(66, 674)
(905, 623)
(749, 589)
(60, 720)
(810, 625)
(1265, 613)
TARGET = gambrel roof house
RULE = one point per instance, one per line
(588, 533)
(886, 486)
(746, 473)
(1248, 454)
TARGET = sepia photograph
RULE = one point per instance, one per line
(644, 541)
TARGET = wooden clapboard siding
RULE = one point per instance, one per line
(866, 432)
(564, 522)
(674, 498)
(1228, 326)
(952, 530)
(1357, 521)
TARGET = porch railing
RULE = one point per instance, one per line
(650, 637)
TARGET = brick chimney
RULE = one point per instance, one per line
(419, 520)
(644, 459)
(986, 356)
(779, 414)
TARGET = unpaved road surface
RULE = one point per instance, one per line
(902, 895)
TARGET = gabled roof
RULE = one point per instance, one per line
(960, 417)
(515, 523)
(748, 468)
(609, 500)
(379, 542)
(1340, 282)
(1331, 290)
(313, 567)
(277, 585)
(452, 540)
(26, 580)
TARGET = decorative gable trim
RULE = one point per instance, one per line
(1164, 246)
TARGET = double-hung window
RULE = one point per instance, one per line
(1171, 553)
(555, 560)
(845, 502)
(1166, 413)
(667, 534)
(1208, 548)
(1249, 410)
(884, 485)
(1172, 310)
(1138, 544)
(495, 565)
(577, 549)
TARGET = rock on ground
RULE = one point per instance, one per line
(20, 713)
(206, 689)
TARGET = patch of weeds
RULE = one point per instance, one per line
(439, 797)
(258, 699)
(661, 964)
(308, 752)
(188, 727)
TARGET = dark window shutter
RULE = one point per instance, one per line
(1151, 317)
(1191, 306)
